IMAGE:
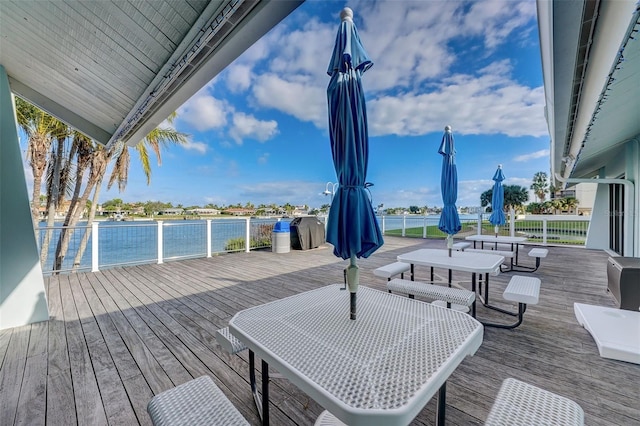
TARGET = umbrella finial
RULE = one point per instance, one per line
(447, 128)
(499, 166)
(346, 14)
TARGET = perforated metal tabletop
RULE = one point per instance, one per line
(380, 369)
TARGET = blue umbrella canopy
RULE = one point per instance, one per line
(352, 226)
(497, 217)
(449, 219)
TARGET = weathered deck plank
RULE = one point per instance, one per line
(119, 336)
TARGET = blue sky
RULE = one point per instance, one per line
(258, 131)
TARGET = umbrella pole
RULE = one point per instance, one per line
(353, 280)
(449, 243)
(495, 229)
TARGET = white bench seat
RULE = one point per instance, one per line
(461, 246)
(435, 292)
(392, 269)
(507, 254)
(538, 252)
(229, 342)
(519, 403)
(196, 402)
(504, 253)
(524, 290)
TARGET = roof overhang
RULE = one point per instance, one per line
(591, 69)
(116, 70)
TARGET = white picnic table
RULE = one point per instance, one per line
(475, 263)
(380, 369)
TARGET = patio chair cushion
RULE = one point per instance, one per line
(196, 402)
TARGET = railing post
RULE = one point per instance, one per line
(208, 237)
(95, 244)
(160, 249)
(512, 222)
(544, 230)
(247, 244)
(424, 227)
(404, 224)
(480, 222)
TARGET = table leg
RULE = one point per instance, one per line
(450, 278)
(262, 402)
(442, 404)
(265, 393)
(473, 289)
(486, 289)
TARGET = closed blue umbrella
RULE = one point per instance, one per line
(352, 226)
(497, 200)
(449, 219)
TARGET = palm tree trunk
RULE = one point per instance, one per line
(98, 169)
(87, 232)
(53, 200)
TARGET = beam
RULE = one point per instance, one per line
(22, 294)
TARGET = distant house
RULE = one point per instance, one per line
(300, 211)
(239, 211)
(203, 212)
(171, 211)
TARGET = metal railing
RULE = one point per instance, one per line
(113, 244)
(538, 229)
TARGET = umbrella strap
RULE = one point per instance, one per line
(365, 186)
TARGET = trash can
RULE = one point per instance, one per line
(281, 238)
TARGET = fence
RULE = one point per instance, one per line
(129, 243)
(539, 229)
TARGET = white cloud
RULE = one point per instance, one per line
(488, 104)
(239, 77)
(406, 91)
(532, 156)
(195, 146)
(264, 158)
(204, 112)
(247, 126)
(298, 97)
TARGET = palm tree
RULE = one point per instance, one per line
(540, 185)
(57, 180)
(40, 128)
(155, 140)
(515, 196)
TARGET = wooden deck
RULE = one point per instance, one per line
(117, 337)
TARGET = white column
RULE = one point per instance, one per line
(208, 237)
(424, 227)
(95, 244)
(512, 223)
(160, 246)
(247, 244)
(22, 295)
